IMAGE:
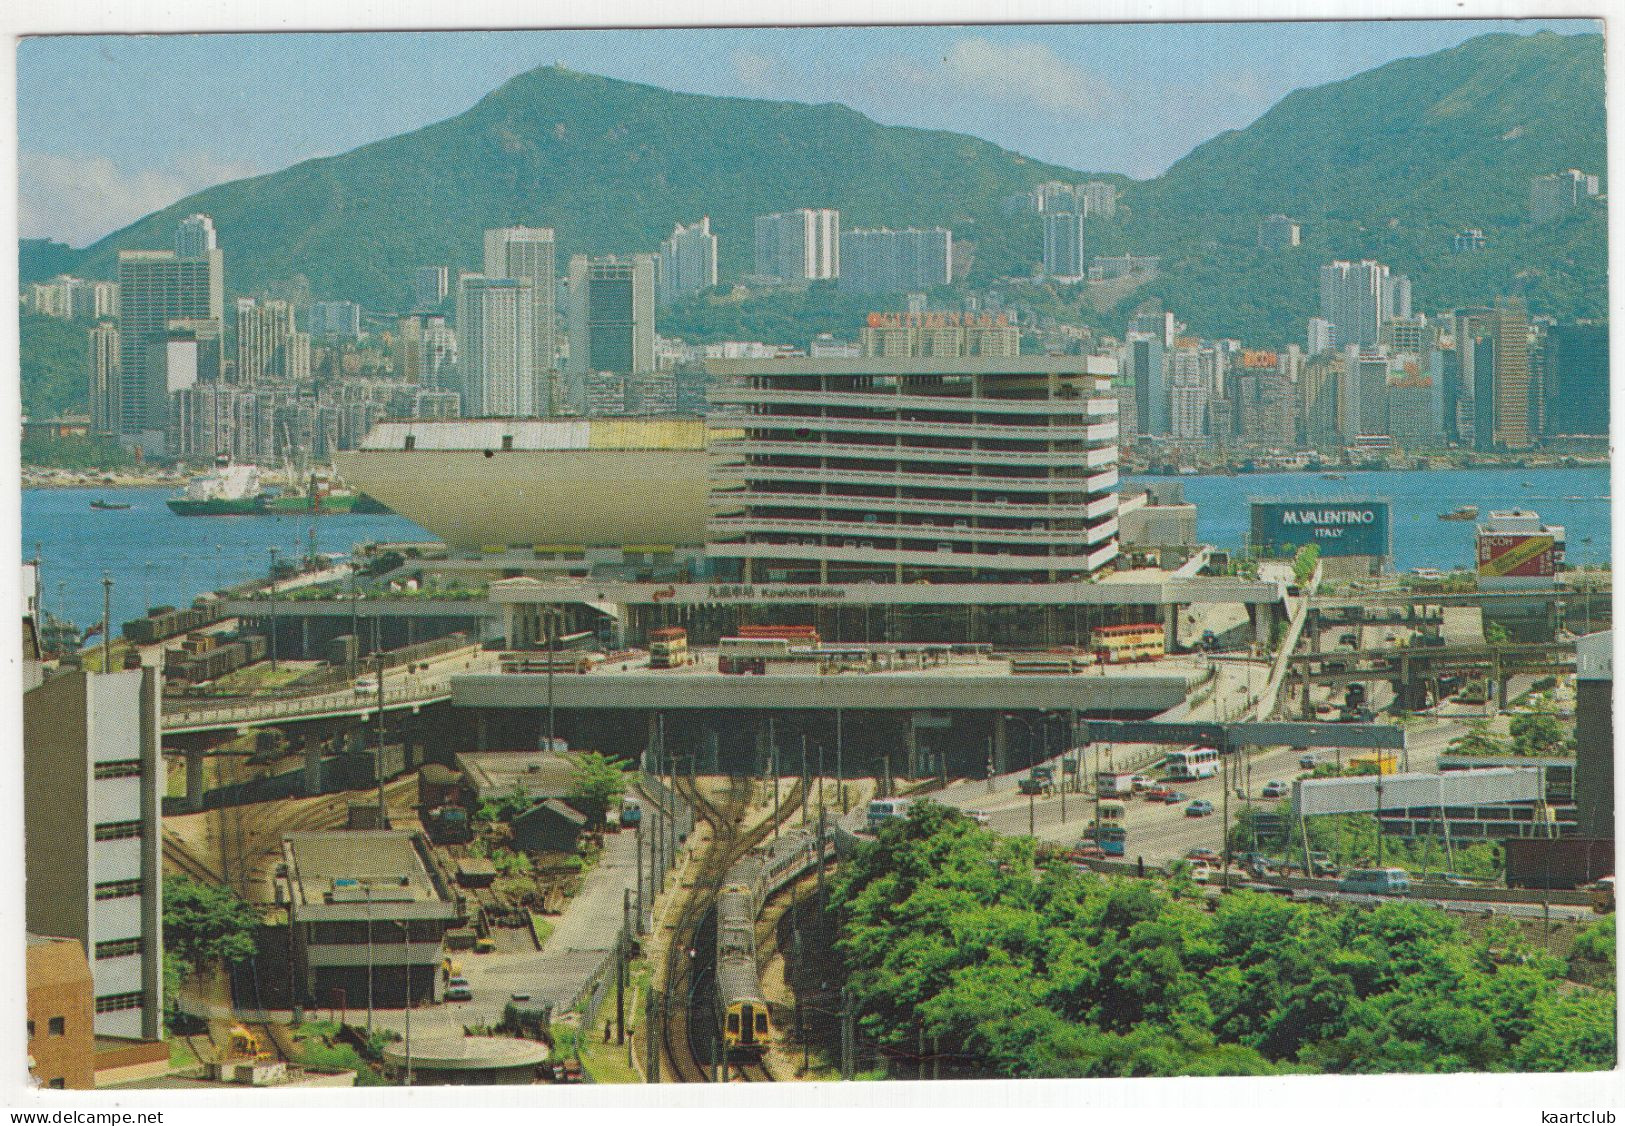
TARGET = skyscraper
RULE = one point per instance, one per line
(1188, 395)
(888, 261)
(194, 237)
(688, 261)
(612, 322)
(156, 287)
(429, 287)
(802, 245)
(1577, 379)
(1358, 297)
(495, 337)
(1064, 257)
(529, 254)
(104, 379)
(1098, 199)
(1513, 398)
(264, 347)
(1144, 363)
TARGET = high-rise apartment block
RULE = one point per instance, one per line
(155, 288)
(612, 320)
(688, 262)
(529, 254)
(495, 341)
(1357, 297)
(939, 334)
(339, 319)
(886, 470)
(269, 346)
(1188, 394)
(1551, 197)
(801, 245)
(195, 237)
(888, 261)
(1278, 232)
(1321, 337)
(1099, 199)
(430, 285)
(1064, 257)
(93, 778)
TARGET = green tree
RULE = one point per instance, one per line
(206, 923)
(1303, 563)
(1480, 741)
(1538, 735)
(598, 785)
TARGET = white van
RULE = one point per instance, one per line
(1376, 881)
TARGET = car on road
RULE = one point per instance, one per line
(457, 989)
(1157, 793)
(1174, 797)
(1308, 761)
(1376, 881)
(1275, 789)
(1199, 808)
(1202, 855)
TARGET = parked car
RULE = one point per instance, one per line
(1376, 881)
(457, 989)
(1157, 793)
(1199, 808)
(1308, 761)
(1275, 789)
(1202, 855)
(1174, 797)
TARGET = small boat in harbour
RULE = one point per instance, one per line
(108, 505)
(1465, 512)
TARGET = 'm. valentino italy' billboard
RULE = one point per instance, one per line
(1341, 527)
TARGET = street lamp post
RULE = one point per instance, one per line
(406, 953)
(107, 623)
(378, 761)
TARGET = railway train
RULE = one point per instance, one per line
(743, 1020)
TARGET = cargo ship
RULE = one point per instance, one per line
(230, 490)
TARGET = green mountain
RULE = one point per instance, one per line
(610, 165)
(1389, 165)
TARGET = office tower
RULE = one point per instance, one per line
(1188, 395)
(495, 337)
(155, 288)
(802, 245)
(1550, 197)
(1412, 421)
(887, 261)
(1064, 257)
(1277, 232)
(1412, 335)
(1576, 389)
(93, 777)
(528, 254)
(1513, 390)
(688, 262)
(1322, 336)
(194, 237)
(1363, 392)
(336, 318)
(1143, 359)
(1358, 297)
(1099, 199)
(104, 379)
(612, 325)
(429, 288)
(267, 348)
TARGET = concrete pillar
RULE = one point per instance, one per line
(314, 766)
(194, 779)
(1312, 625)
(304, 638)
(482, 735)
(1170, 626)
(713, 747)
(911, 741)
(1308, 708)
(1001, 744)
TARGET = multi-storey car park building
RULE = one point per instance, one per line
(900, 470)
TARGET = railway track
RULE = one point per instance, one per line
(684, 1015)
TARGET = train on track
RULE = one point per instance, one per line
(744, 1022)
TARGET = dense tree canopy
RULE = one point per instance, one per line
(205, 922)
(1039, 970)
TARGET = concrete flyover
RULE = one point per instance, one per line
(1412, 667)
(244, 715)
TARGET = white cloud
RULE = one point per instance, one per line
(78, 199)
(1024, 74)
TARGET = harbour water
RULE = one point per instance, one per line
(157, 558)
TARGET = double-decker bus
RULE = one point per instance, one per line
(1189, 765)
(1118, 645)
(668, 648)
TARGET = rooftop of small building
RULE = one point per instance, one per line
(541, 774)
(341, 868)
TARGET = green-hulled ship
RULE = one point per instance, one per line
(235, 490)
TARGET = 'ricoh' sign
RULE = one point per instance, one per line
(1336, 527)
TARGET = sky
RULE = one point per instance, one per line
(111, 128)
